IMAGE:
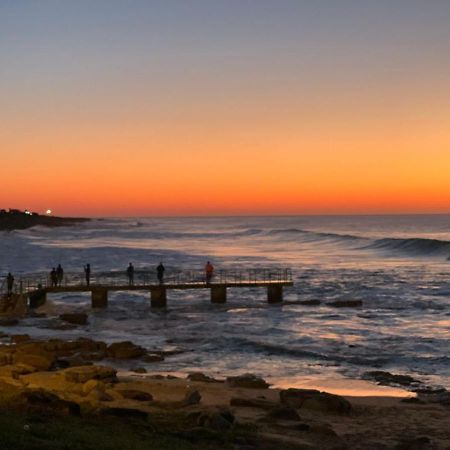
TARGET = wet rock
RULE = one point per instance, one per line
(346, 303)
(72, 361)
(57, 325)
(315, 400)
(74, 318)
(8, 322)
(284, 413)
(15, 371)
(18, 338)
(153, 357)
(413, 400)
(199, 376)
(157, 377)
(138, 370)
(386, 378)
(247, 380)
(431, 395)
(125, 350)
(85, 373)
(192, 398)
(134, 394)
(126, 413)
(172, 377)
(40, 361)
(82, 345)
(310, 302)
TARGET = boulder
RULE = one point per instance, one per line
(125, 350)
(134, 394)
(248, 381)
(346, 303)
(72, 361)
(192, 398)
(40, 361)
(74, 318)
(315, 400)
(82, 374)
(199, 376)
(40, 399)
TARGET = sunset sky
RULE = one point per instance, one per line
(186, 107)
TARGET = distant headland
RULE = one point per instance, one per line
(15, 219)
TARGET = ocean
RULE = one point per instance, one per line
(398, 266)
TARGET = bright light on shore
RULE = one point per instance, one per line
(48, 212)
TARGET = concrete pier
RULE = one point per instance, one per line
(37, 287)
(99, 298)
(275, 293)
(38, 298)
(218, 294)
(158, 297)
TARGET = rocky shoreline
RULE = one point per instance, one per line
(76, 379)
(22, 221)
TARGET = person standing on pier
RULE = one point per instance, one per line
(54, 277)
(10, 283)
(130, 274)
(209, 270)
(59, 274)
(87, 273)
(160, 273)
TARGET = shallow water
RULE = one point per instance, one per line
(397, 265)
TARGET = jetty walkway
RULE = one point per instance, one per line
(37, 286)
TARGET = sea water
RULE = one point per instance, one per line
(398, 266)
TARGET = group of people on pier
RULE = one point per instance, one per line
(160, 269)
(57, 275)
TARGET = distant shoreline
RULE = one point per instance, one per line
(22, 221)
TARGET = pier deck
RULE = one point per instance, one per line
(37, 286)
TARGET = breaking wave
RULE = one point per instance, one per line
(412, 246)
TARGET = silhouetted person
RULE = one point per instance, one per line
(9, 283)
(59, 274)
(209, 270)
(130, 274)
(54, 277)
(160, 273)
(87, 273)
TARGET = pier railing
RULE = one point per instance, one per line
(33, 282)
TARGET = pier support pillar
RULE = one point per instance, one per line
(275, 294)
(99, 298)
(38, 298)
(218, 294)
(158, 297)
